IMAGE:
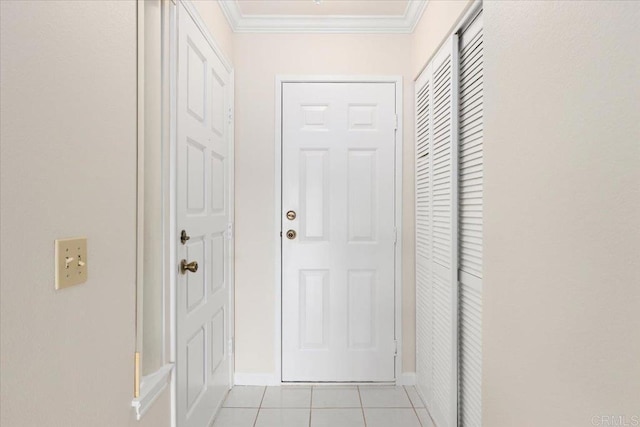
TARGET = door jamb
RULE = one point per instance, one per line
(279, 82)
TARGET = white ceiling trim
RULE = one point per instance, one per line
(322, 24)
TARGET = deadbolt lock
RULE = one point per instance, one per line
(184, 237)
(291, 234)
(291, 215)
(188, 266)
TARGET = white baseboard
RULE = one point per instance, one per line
(407, 378)
(240, 378)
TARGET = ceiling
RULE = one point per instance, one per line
(323, 16)
(325, 7)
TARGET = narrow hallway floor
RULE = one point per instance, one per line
(323, 406)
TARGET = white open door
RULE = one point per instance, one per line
(203, 182)
(338, 222)
(436, 235)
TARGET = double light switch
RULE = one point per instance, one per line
(71, 262)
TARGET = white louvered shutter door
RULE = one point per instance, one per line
(471, 203)
(424, 289)
(444, 147)
(440, 287)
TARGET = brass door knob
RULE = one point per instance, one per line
(188, 266)
(291, 234)
(291, 215)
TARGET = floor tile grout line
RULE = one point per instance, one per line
(312, 389)
(311, 407)
(332, 407)
(412, 405)
(264, 393)
(364, 418)
(215, 417)
(323, 407)
(425, 408)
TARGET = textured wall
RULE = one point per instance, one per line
(68, 160)
(562, 207)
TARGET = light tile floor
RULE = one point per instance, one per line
(323, 406)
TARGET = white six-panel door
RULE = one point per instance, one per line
(202, 193)
(338, 291)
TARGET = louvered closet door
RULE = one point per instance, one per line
(436, 240)
(424, 288)
(470, 199)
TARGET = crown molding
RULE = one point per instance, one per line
(404, 24)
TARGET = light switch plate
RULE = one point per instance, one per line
(71, 262)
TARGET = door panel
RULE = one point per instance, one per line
(436, 235)
(361, 324)
(361, 198)
(202, 194)
(314, 194)
(338, 175)
(471, 169)
(314, 309)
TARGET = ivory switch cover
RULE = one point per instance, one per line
(71, 262)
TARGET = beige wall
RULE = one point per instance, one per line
(212, 15)
(68, 168)
(562, 210)
(438, 21)
(258, 58)
(68, 162)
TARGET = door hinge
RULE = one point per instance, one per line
(396, 123)
(230, 115)
(136, 375)
(232, 346)
(395, 346)
(229, 233)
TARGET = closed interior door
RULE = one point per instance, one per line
(338, 224)
(202, 193)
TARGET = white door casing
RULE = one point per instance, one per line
(203, 193)
(338, 273)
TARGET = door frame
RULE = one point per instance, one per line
(170, 34)
(280, 80)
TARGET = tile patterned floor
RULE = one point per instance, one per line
(323, 406)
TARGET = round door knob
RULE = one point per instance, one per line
(188, 266)
(291, 234)
(291, 215)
